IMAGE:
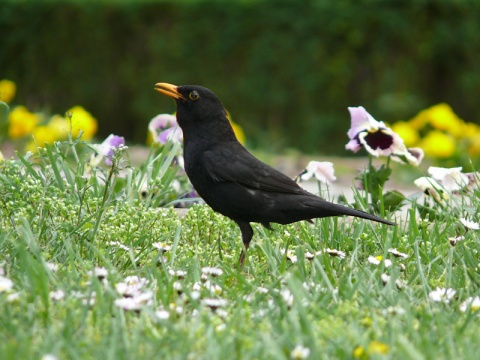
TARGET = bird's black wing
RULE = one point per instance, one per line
(235, 164)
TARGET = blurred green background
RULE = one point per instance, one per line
(286, 70)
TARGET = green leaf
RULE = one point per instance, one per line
(4, 110)
(393, 199)
(427, 213)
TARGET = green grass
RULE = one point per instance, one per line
(51, 213)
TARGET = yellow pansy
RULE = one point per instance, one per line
(419, 120)
(442, 117)
(470, 130)
(21, 122)
(7, 90)
(474, 147)
(1, 156)
(407, 132)
(41, 135)
(438, 144)
(82, 121)
(59, 126)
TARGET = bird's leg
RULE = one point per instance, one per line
(247, 234)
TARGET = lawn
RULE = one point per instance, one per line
(96, 265)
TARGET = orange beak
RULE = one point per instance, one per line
(169, 90)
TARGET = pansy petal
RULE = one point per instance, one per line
(353, 145)
(415, 155)
(322, 170)
(362, 121)
(382, 143)
(431, 187)
(173, 133)
(451, 178)
(116, 141)
(164, 127)
(162, 122)
(412, 156)
(105, 149)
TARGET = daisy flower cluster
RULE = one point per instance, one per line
(292, 257)
(447, 295)
(450, 193)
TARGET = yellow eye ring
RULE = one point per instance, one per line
(193, 95)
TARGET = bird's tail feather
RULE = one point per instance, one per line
(325, 209)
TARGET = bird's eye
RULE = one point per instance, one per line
(193, 95)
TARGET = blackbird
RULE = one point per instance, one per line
(230, 179)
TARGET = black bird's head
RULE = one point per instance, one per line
(198, 108)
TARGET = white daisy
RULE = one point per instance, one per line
(5, 284)
(162, 247)
(385, 278)
(13, 297)
(214, 303)
(287, 296)
(454, 240)
(212, 271)
(373, 260)
(49, 357)
(397, 253)
(442, 295)
(472, 303)
(470, 224)
(377, 260)
(99, 272)
(178, 287)
(52, 266)
(136, 302)
(119, 245)
(180, 274)
(128, 304)
(57, 295)
(290, 255)
(131, 286)
(162, 314)
(336, 253)
(213, 288)
(177, 308)
(300, 352)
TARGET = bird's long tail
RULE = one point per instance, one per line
(332, 209)
(314, 207)
(344, 210)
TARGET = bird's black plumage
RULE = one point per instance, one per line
(230, 179)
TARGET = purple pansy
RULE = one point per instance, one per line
(106, 148)
(378, 139)
(164, 127)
